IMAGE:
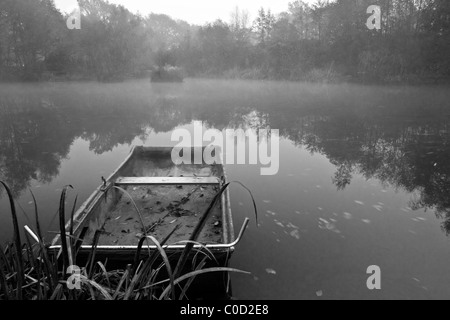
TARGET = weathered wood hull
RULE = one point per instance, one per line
(152, 169)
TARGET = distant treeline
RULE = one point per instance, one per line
(326, 41)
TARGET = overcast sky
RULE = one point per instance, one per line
(192, 11)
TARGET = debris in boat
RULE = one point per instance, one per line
(118, 218)
(173, 221)
(217, 224)
(271, 271)
(319, 293)
(359, 202)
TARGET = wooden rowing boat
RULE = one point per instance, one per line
(150, 195)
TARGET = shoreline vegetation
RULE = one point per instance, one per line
(30, 270)
(327, 42)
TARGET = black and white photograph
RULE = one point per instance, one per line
(223, 155)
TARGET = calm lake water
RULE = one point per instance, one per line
(364, 173)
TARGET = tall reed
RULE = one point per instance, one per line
(35, 272)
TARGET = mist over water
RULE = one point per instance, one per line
(363, 179)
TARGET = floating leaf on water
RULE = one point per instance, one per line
(173, 221)
(267, 201)
(319, 208)
(359, 202)
(292, 226)
(278, 223)
(348, 216)
(271, 271)
(326, 225)
(319, 187)
(421, 219)
(366, 221)
(378, 208)
(295, 234)
(319, 293)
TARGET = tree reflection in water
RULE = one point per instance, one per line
(399, 136)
